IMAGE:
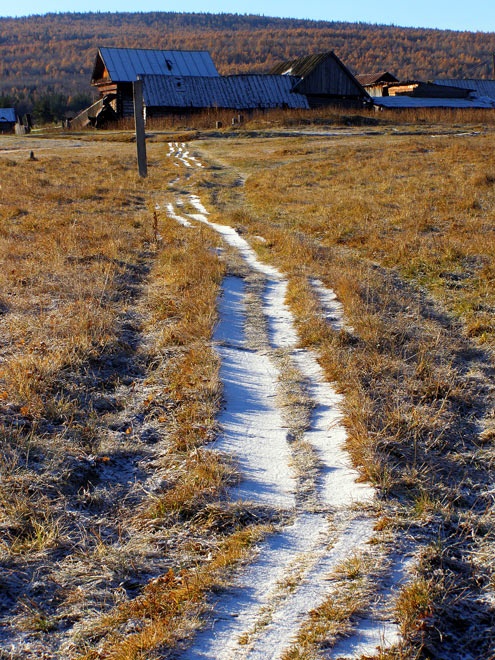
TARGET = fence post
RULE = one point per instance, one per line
(137, 87)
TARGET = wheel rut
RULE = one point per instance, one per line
(289, 451)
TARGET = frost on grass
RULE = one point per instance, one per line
(266, 622)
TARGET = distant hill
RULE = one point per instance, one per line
(55, 52)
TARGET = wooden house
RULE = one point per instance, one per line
(116, 69)
(324, 80)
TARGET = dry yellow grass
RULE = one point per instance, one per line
(109, 389)
(400, 226)
(169, 607)
(422, 204)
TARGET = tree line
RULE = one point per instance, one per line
(45, 56)
(47, 107)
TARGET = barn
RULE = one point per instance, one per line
(324, 80)
(116, 69)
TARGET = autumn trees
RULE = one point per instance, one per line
(54, 53)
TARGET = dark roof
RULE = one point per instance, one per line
(242, 92)
(426, 89)
(125, 64)
(8, 115)
(323, 73)
(375, 78)
(422, 102)
(479, 87)
(302, 66)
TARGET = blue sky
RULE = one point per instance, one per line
(477, 15)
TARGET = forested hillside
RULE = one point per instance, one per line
(55, 52)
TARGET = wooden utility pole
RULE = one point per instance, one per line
(137, 87)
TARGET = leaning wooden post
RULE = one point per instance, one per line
(137, 87)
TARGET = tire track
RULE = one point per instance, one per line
(260, 616)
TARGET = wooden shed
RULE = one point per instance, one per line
(8, 119)
(116, 69)
(324, 80)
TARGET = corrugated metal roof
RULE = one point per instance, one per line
(8, 115)
(243, 92)
(421, 102)
(479, 87)
(125, 64)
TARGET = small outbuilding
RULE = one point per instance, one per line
(8, 120)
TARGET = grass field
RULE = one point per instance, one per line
(114, 525)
